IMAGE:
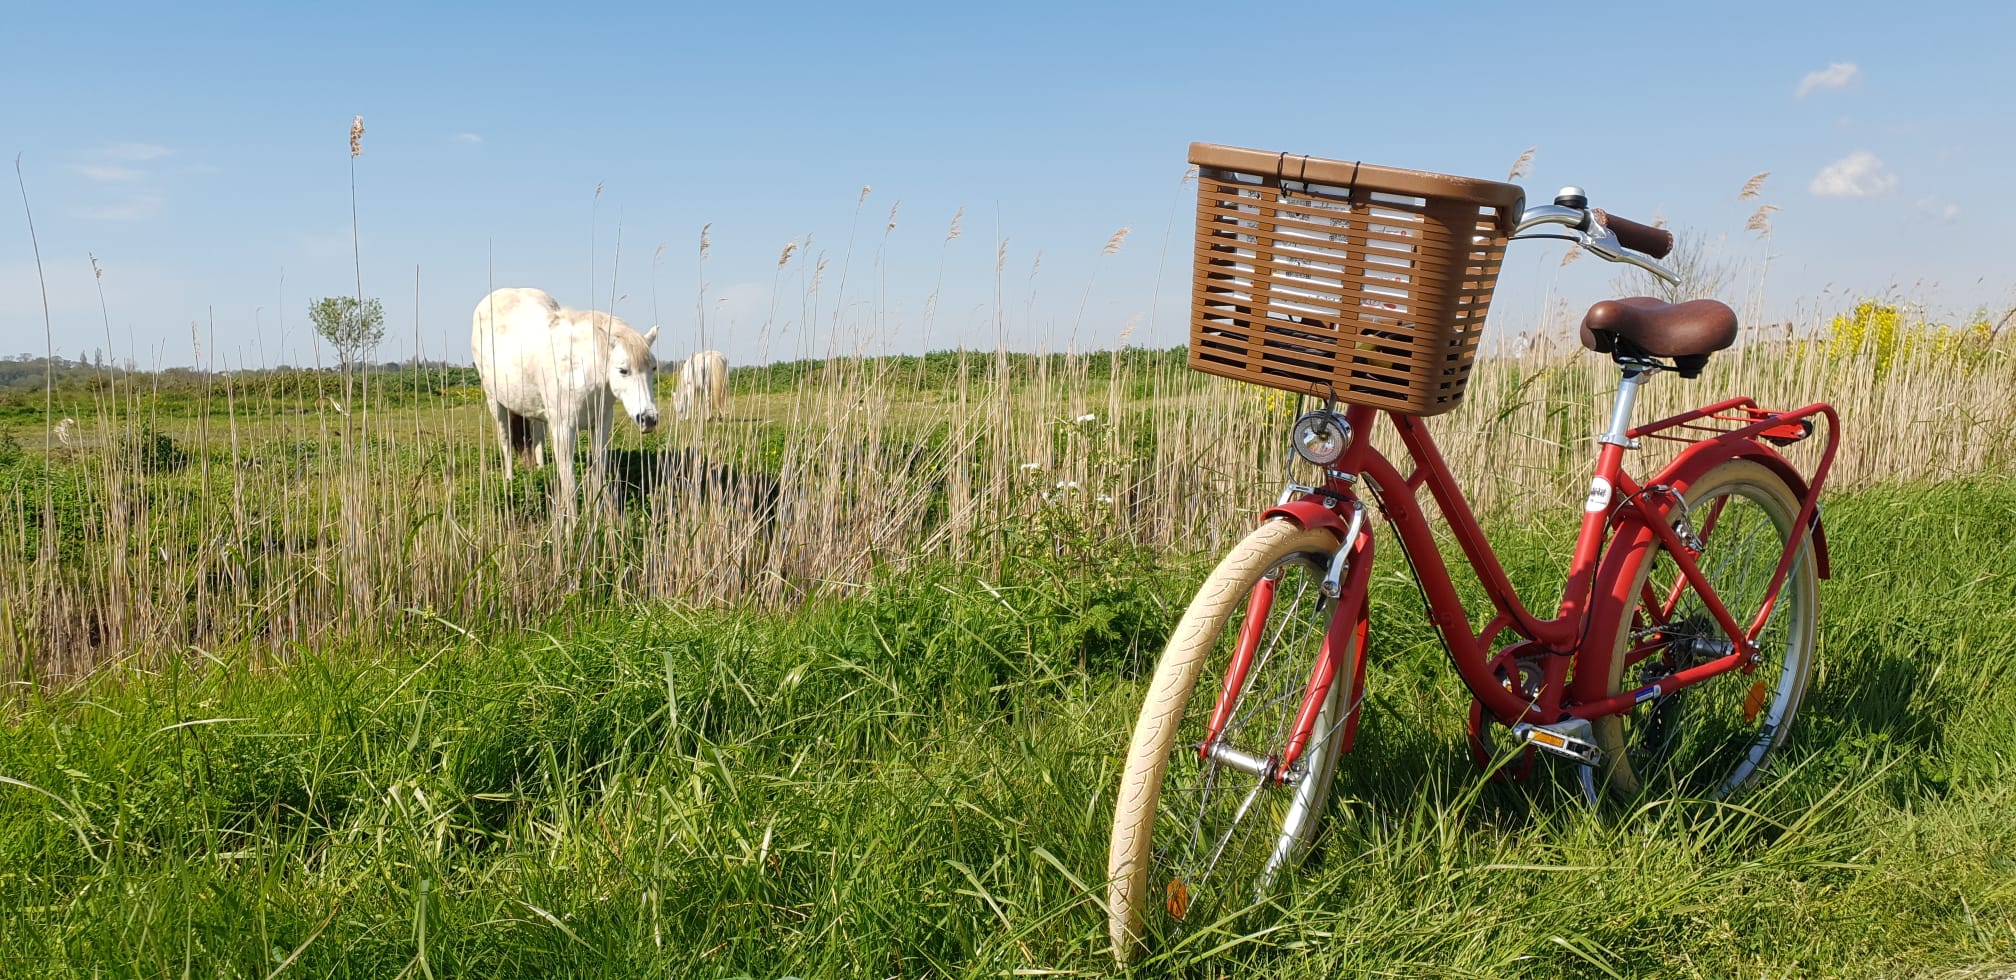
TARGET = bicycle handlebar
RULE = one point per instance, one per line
(1655, 242)
(1612, 238)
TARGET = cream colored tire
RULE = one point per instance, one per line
(1163, 769)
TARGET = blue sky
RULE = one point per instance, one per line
(201, 155)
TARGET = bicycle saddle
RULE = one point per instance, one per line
(1686, 332)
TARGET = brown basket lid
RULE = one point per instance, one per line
(1508, 199)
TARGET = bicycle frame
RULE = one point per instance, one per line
(1622, 519)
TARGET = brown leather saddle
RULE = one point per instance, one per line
(1642, 327)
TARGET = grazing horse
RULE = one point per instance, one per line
(703, 385)
(549, 368)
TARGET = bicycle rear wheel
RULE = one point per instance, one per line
(1195, 840)
(1713, 738)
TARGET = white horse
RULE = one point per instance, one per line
(549, 368)
(703, 385)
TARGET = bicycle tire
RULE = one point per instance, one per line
(1713, 738)
(1155, 834)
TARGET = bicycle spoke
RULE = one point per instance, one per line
(1713, 735)
(1211, 863)
(1225, 829)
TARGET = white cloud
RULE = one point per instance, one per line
(1945, 212)
(137, 208)
(138, 152)
(1840, 74)
(109, 173)
(468, 138)
(1859, 174)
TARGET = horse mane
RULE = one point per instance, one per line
(606, 324)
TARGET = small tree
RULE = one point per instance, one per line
(354, 328)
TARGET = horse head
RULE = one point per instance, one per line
(633, 375)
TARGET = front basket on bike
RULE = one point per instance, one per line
(1335, 279)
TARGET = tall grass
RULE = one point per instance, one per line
(243, 510)
(916, 780)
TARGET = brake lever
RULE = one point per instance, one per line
(1602, 241)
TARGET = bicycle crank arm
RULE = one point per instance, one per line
(1572, 739)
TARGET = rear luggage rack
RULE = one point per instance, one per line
(1739, 417)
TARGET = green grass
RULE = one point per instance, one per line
(916, 780)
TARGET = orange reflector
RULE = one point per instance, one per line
(1753, 702)
(1178, 898)
(1548, 738)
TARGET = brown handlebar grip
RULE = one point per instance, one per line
(1655, 242)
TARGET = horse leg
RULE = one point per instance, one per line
(564, 436)
(599, 439)
(503, 416)
(536, 437)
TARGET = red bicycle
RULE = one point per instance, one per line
(1683, 641)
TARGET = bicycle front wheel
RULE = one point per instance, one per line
(1195, 840)
(1712, 738)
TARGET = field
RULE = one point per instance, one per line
(838, 685)
(288, 510)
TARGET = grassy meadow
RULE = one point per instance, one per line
(838, 684)
(286, 511)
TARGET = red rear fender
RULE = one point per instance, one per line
(1697, 461)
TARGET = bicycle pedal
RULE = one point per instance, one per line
(1572, 739)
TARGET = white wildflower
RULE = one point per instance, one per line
(1032, 467)
(1088, 417)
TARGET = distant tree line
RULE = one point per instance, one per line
(78, 386)
(81, 384)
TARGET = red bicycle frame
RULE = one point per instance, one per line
(1621, 522)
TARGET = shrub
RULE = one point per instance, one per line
(1888, 334)
(153, 452)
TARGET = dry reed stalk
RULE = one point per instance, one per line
(317, 544)
(1760, 220)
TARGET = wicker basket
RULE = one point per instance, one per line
(1362, 283)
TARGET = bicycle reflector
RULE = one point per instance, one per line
(1320, 436)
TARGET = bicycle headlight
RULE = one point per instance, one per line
(1320, 437)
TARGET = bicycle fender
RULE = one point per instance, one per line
(1704, 456)
(1308, 515)
(1632, 538)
